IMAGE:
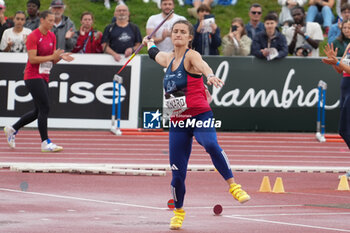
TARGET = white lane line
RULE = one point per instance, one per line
(81, 199)
(163, 158)
(80, 139)
(287, 214)
(196, 146)
(321, 195)
(286, 223)
(283, 162)
(247, 207)
(198, 149)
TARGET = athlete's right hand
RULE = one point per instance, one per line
(146, 41)
(57, 54)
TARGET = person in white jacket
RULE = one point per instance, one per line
(285, 17)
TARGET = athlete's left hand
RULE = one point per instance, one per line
(67, 57)
(216, 81)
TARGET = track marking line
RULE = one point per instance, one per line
(288, 214)
(81, 199)
(286, 223)
(195, 146)
(323, 195)
(247, 207)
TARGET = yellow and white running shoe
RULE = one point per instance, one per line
(238, 193)
(176, 221)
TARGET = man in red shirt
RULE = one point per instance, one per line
(42, 54)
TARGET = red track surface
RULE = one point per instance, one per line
(112, 203)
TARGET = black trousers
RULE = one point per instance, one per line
(39, 89)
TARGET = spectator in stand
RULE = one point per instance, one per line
(255, 25)
(301, 34)
(196, 4)
(5, 23)
(269, 44)
(344, 39)
(320, 11)
(121, 37)
(63, 28)
(236, 42)
(89, 40)
(14, 39)
(338, 5)
(162, 37)
(285, 17)
(206, 33)
(33, 19)
(335, 29)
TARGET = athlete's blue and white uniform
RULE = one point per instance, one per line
(344, 123)
(185, 92)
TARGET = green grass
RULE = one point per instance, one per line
(140, 12)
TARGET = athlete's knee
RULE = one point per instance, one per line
(178, 180)
(211, 146)
(45, 109)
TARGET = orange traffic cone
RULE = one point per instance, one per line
(343, 184)
(278, 186)
(265, 186)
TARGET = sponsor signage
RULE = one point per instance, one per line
(80, 92)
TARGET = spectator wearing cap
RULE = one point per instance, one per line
(63, 28)
(335, 29)
(5, 23)
(254, 25)
(33, 19)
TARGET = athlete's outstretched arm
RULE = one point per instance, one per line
(196, 61)
(331, 59)
(160, 57)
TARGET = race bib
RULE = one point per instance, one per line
(175, 105)
(45, 67)
(346, 61)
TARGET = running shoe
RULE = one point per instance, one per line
(10, 136)
(238, 193)
(48, 146)
(176, 221)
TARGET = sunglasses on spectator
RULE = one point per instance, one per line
(1, 8)
(256, 12)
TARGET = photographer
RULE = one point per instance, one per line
(207, 34)
(302, 33)
(236, 42)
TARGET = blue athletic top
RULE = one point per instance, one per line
(184, 92)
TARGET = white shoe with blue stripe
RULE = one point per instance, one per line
(10, 134)
(48, 146)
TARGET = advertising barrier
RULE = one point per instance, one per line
(80, 91)
(279, 95)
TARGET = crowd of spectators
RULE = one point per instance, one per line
(292, 31)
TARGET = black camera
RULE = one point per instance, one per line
(233, 28)
(305, 50)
